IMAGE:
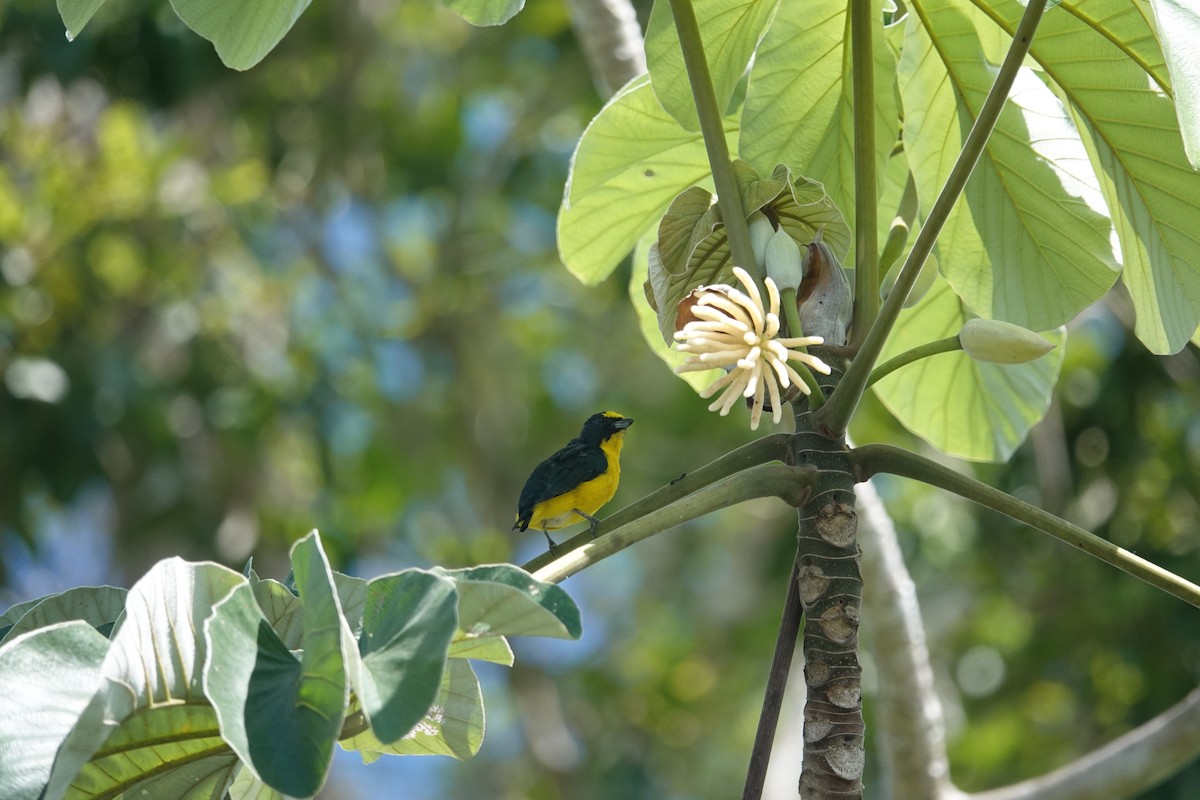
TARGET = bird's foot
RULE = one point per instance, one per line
(592, 521)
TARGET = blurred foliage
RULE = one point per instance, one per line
(324, 293)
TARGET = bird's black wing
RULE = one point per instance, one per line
(574, 464)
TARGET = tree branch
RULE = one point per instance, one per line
(773, 447)
(875, 458)
(766, 480)
(1125, 767)
(612, 42)
(907, 709)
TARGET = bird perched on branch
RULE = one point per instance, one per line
(575, 482)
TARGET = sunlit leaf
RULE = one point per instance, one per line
(243, 33)
(730, 31)
(961, 406)
(503, 600)
(631, 161)
(99, 606)
(453, 726)
(155, 660)
(173, 750)
(47, 677)
(799, 106)
(1029, 242)
(1102, 62)
(1178, 24)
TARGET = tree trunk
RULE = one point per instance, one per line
(831, 590)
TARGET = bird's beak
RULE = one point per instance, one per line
(622, 423)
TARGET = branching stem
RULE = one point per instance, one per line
(872, 459)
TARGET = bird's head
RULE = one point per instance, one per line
(599, 427)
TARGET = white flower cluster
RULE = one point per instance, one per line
(734, 331)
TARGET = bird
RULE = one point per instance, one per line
(572, 485)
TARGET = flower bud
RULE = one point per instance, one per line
(761, 231)
(785, 263)
(1002, 342)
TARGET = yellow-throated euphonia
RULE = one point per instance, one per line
(572, 484)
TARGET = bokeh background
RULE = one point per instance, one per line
(324, 293)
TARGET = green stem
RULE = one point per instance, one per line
(835, 415)
(816, 397)
(773, 447)
(729, 199)
(766, 480)
(866, 229)
(947, 345)
(875, 458)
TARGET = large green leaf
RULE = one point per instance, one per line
(408, 622)
(243, 33)
(453, 725)
(1179, 31)
(1029, 242)
(16, 611)
(155, 661)
(799, 106)
(503, 600)
(173, 750)
(281, 714)
(631, 161)
(99, 606)
(730, 31)
(485, 12)
(961, 406)
(47, 677)
(1100, 60)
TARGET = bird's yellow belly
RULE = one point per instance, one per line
(588, 497)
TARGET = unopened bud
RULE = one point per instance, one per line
(1002, 342)
(761, 231)
(785, 262)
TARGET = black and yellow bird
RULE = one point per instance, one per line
(575, 482)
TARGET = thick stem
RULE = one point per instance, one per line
(713, 130)
(835, 415)
(830, 585)
(872, 459)
(777, 679)
(866, 244)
